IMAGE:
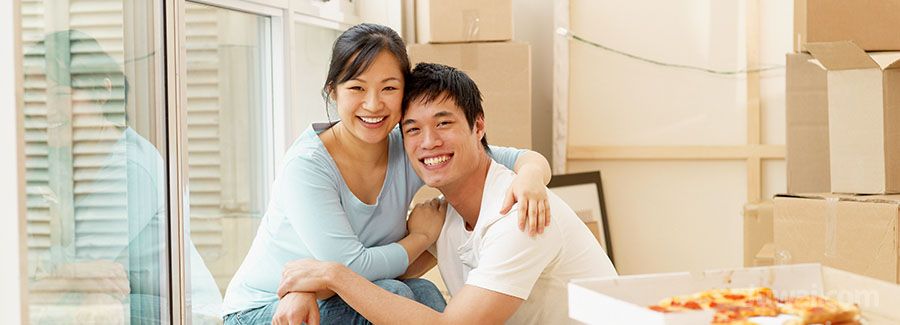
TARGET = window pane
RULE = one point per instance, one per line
(96, 181)
(311, 58)
(229, 95)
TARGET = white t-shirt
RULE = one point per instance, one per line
(499, 257)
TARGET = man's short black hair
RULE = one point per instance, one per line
(432, 82)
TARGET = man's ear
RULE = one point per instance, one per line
(479, 127)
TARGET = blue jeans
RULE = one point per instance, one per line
(335, 311)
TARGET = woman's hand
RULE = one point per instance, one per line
(534, 207)
(297, 308)
(427, 218)
(306, 275)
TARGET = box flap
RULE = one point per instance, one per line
(806, 116)
(895, 64)
(870, 198)
(886, 60)
(841, 56)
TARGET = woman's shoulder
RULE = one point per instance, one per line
(308, 150)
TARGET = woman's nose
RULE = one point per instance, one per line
(371, 101)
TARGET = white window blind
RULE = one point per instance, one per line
(203, 130)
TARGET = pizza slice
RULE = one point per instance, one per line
(820, 310)
(731, 306)
(737, 306)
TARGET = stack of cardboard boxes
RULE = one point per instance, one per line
(843, 139)
(475, 36)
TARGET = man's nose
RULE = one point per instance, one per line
(431, 139)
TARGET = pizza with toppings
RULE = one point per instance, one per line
(820, 310)
(737, 306)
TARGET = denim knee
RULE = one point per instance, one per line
(396, 287)
(256, 316)
(424, 286)
(427, 293)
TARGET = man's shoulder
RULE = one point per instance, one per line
(497, 182)
(499, 174)
(505, 231)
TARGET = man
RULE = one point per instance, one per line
(494, 272)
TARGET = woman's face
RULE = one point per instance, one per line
(369, 105)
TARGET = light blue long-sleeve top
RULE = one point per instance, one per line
(313, 214)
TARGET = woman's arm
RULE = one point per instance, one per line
(422, 265)
(310, 198)
(529, 187)
(535, 164)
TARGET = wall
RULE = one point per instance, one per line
(11, 226)
(533, 24)
(674, 215)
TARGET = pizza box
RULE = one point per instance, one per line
(624, 300)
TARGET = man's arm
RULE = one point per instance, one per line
(472, 305)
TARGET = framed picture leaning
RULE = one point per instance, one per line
(584, 193)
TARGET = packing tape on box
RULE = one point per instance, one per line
(831, 214)
(471, 24)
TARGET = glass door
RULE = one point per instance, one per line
(96, 177)
(228, 136)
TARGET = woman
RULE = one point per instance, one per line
(344, 189)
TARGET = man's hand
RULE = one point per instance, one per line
(306, 276)
(427, 218)
(297, 308)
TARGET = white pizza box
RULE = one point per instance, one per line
(624, 300)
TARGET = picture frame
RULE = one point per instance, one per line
(583, 192)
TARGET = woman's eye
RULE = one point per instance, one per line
(390, 88)
(355, 88)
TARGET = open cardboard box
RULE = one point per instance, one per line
(863, 117)
(624, 300)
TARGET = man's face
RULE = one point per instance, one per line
(439, 143)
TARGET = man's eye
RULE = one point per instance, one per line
(411, 130)
(444, 123)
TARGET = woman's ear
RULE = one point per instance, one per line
(329, 89)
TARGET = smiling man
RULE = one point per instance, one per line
(495, 272)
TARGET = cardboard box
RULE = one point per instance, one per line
(807, 126)
(624, 300)
(855, 233)
(453, 21)
(766, 256)
(874, 25)
(863, 117)
(758, 229)
(503, 74)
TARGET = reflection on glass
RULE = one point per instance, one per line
(228, 96)
(96, 187)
